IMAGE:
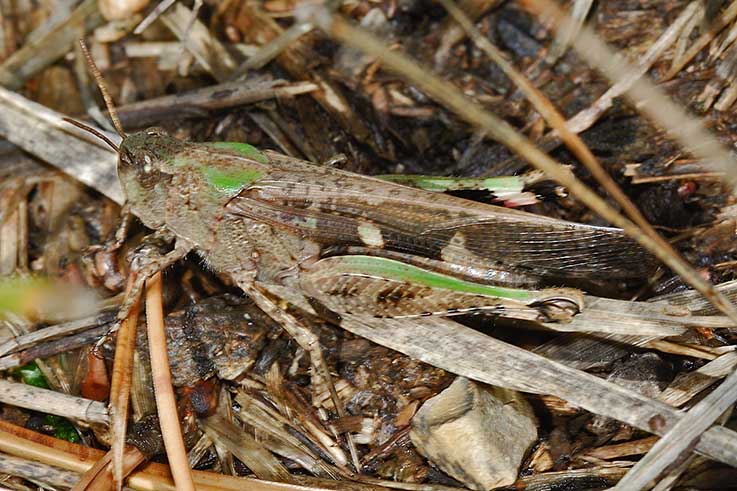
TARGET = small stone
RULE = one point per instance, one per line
(476, 433)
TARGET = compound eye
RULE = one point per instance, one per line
(156, 131)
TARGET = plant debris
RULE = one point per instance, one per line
(428, 403)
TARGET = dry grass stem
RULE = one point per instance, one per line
(587, 117)
(635, 447)
(45, 50)
(53, 332)
(688, 385)
(120, 385)
(44, 133)
(52, 402)
(153, 15)
(166, 403)
(36, 471)
(199, 42)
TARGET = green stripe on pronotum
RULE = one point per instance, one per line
(230, 180)
(246, 150)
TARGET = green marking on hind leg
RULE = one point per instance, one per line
(395, 270)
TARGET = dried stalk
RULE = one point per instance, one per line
(120, 385)
(166, 403)
(52, 402)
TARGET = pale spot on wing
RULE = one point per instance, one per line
(370, 235)
(455, 248)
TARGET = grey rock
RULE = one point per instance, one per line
(476, 433)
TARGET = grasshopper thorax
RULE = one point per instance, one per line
(144, 173)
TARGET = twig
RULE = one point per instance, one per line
(199, 42)
(51, 348)
(153, 15)
(701, 176)
(579, 11)
(53, 332)
(52, 402)
(615, 451)
(35, 471)
(723, 20)
(24, 443)
(272, 49)
(562, 479)
(587, 117)
(688, 385)
(276, 46)
(166, 403)
(120, 385)
(210, 98)
(97, 477)
(672, 476)
(680, 349)
(450, 33)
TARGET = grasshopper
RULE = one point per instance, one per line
(355, 245)
(360, 245)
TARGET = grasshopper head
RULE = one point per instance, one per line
(144, 173)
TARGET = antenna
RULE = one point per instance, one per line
(103, 89)
(94, 132)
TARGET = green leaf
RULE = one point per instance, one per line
(63, 429)
(30, 374)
